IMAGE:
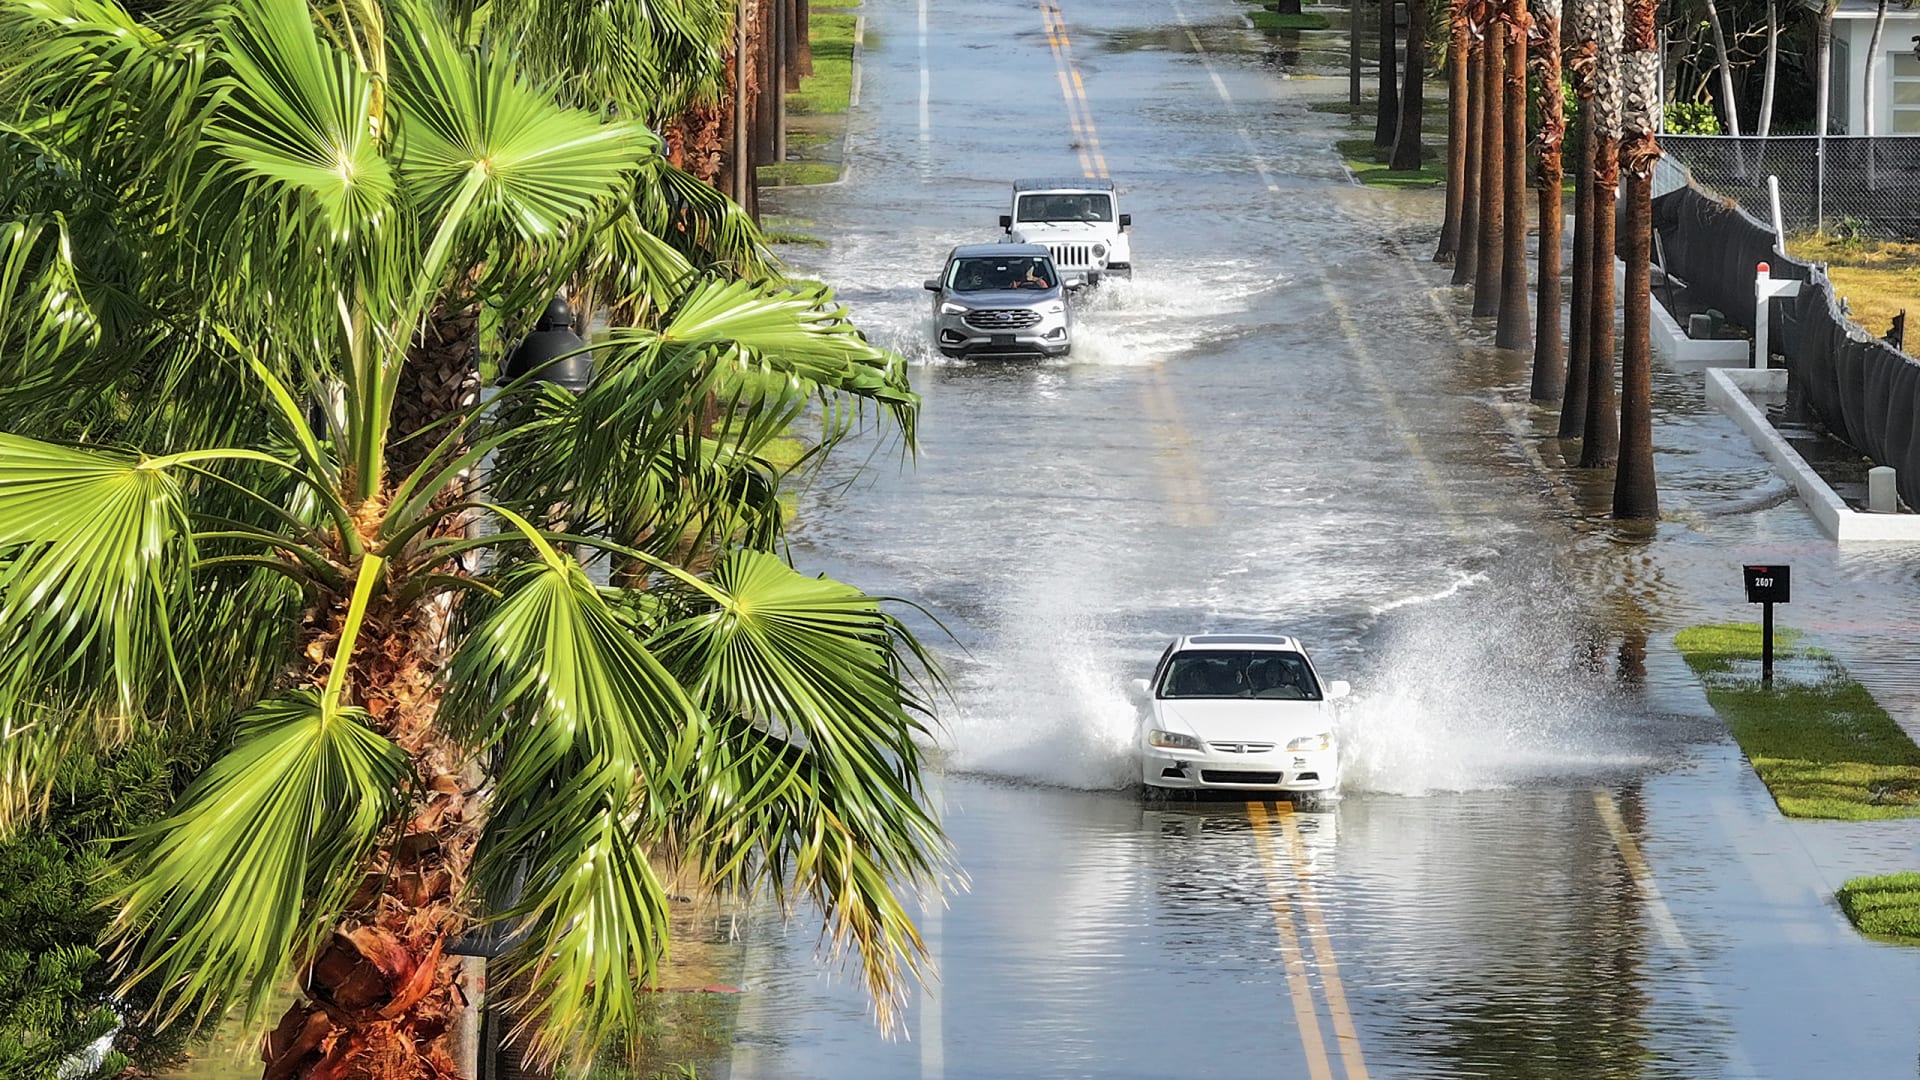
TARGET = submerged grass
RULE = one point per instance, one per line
(1817, 739)
(1887, 906)
(1273, 20)
(830, 87)
(1369, 166)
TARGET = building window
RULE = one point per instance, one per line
(1906, 94)
(1839, 81)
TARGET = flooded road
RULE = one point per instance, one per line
(1549, 859)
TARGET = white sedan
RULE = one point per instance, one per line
(1238, 712)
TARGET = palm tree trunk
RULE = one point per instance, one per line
(1869, 95)
(1456, 129)
(1573, 404)
(1773, 67)
(1388, 117)
(1600, 441)
(1635, 490)
(1549, 344)
(1466, 250)
(1514, 328)
(441, 375)
(383, 997)
(1353, 55)
(1724, 63)
(1413, 105)
(1486, 283)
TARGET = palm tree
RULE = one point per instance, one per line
(231, 225)
(1635, 492)
(1413, 105)
(1549, 343)
(1493, 171)
(1600, 438)
(1573, 404)
(1388, 118)
(1457, 36)
(1513, 330)
(1466, 251)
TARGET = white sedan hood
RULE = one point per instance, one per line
(1231, 720)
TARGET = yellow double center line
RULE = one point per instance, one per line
(1306, 1012)
(1079, 112)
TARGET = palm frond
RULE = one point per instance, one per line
(97, 551)
(238, 884)
(43, 312)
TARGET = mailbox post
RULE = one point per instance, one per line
(1767, 586)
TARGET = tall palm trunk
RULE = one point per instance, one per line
(382, 999)
(1635, 491)
(1413, 104)
(1573, 403)
(1514, 329)
(1549, 344)
(1466, 251)
(1456, 129)
(1486, 283)
(1724, 63)
(1765, 123)
(1388, 118)
(1600, 441)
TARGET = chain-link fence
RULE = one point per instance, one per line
(1868, 183)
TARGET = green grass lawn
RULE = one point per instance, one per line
(1273, 20)
(1369, 166)
(1887, 906)
(829, 88)
(788, 173)
(1817, 739)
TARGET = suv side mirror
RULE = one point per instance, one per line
(1006, 221)
(932, 284)
(1338, 688)
(1126, 220)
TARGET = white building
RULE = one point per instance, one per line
(1897, 101)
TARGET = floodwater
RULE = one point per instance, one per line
(1549, 860)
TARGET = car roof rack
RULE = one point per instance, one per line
(1064, 183)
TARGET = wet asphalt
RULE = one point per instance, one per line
(1549, 859)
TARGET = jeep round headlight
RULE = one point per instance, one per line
(951, 308)
(1099, 251)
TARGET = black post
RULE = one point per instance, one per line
(1766, 643)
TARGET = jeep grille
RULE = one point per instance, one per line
(1074, 256)
(1002, 318)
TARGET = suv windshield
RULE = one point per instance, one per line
(983, 275)
(1240, 673)
(1065, 208)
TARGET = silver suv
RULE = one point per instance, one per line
(1000, 299)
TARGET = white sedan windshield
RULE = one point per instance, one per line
(1240, 673)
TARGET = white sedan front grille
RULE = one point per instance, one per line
(1241, 747)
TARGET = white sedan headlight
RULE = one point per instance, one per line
(1311, 742)
(1172, 740)
(951, 308)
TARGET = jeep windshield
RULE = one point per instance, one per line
(1089, 207)
(986, 275)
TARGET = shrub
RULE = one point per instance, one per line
(1692, 118)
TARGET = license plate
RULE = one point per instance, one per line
(1003, 339)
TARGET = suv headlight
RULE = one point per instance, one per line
(1054, 308)
(1172, 740)
(1311, 742)
(951, 308)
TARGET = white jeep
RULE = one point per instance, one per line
(1075, 219)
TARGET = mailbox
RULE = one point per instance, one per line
(1769, 584)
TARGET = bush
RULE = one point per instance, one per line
(1692, 118)
(55, 988)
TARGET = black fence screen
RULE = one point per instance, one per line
(1862, 390)
(1868, 184)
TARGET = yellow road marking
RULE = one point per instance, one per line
(1298, 990)
(1344, 1034)
(1093, 162)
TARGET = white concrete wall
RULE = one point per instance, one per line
(1902, 25)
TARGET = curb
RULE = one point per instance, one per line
(853, 102)
(1729, 388)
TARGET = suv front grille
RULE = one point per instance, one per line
(1073, 256)
(1002, 318)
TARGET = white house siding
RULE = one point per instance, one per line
(1898, 103)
